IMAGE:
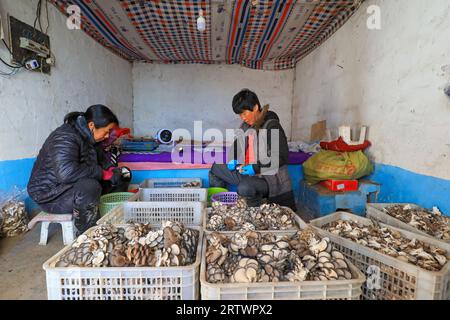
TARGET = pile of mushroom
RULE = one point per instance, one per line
(431, 222)
(134, 245)
(13, 219)
(243, 218)
(391, 242)
(192, 184)
(254, 257)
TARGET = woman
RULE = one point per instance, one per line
(67, 173)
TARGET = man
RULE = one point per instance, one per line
(261, 173)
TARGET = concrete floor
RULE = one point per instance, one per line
(21, 260)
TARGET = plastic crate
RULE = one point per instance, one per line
(112, 200)
(130, 283)
(375, 211)
(305, 290)
(189, 213)
(399, 280)
(226, 198)
(172, 194)
(214, 190)
(300, 224)
(168, 182)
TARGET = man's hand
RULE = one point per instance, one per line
(248, 170)
(232, 165)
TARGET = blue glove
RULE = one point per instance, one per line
(248, 170)
(232, 165)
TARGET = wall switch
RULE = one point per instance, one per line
(32, 64)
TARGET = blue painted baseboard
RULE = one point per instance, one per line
(399, 185)
(16, 173)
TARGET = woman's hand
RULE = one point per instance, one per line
(108, 174)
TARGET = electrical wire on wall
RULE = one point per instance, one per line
(9, 73)
(37, 19)
(14, 68)
(46, 13)
(11, 70)
(9, 50)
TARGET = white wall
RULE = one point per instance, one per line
(391, 80)
(173, 96)
(32, 105)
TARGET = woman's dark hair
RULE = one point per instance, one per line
(101, 115)
(245, 100)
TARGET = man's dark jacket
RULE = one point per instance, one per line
(278, 180)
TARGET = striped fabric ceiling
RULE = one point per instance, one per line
(259, 34)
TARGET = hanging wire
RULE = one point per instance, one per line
(6, 45)
(9, 65)
(46, 12)
(38, 15)
(11, 73)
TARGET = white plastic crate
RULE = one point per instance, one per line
(375, 211)
(128, 283)
(168, 182)
(188, 213)
(173, 194)
(399, 280)
(299, 223)
(304, 290)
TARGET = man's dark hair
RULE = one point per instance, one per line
(245, 100)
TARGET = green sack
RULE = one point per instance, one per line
(327, 164)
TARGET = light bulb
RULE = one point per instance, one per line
(201, 22)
